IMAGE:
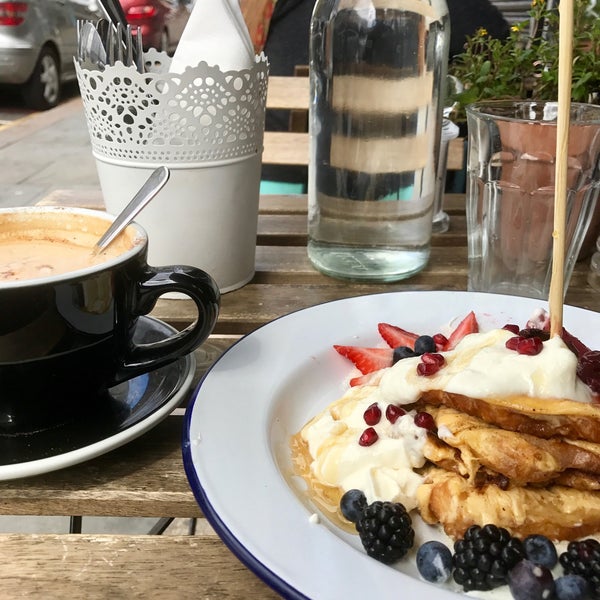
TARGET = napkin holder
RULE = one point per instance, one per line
(207, 126)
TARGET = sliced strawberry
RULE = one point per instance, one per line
(372, 378)
(367, 360)
(467, 325)
(395, 336)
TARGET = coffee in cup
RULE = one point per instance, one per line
(52, 246)
(67, 317)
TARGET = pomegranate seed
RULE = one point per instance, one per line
(530, 346)
(368, 437)
(425, 420)
(441, 341)
(372, 415)
(427, 369)
(512, 328)
(512, 343)
(393, 413)
(433, 358)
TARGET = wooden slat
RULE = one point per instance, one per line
(278, 204)
(98, 567)
(456, 154)
(273, 293)
(145, 478)
(288, 93)
(291, 148)
(275, 230)
(92, 198)
(285, 148)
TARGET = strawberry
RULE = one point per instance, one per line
(372, 378)
(395, 336)
(467, 325)
(367, 360)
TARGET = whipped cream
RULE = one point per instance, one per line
(482, 367)
(383, 471)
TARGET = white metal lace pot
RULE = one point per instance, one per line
(207, 126)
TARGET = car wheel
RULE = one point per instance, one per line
(42, 91)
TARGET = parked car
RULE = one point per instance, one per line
(162, 21)
(38, 40)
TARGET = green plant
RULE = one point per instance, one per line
(525, 65)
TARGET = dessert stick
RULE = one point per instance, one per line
(565, 58)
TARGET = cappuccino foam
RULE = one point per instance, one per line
(36, 246)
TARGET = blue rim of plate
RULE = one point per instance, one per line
(235, 545)
(243, 554)
(238, 549)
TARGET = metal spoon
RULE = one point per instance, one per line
(153, 185)
(91, 45)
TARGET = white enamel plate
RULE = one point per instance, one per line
(264, 389)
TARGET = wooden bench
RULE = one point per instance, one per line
(291, 147)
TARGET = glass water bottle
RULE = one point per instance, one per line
(377, 73)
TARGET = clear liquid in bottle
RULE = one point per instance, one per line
(377, 69)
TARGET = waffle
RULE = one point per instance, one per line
(559, 512)
(480, 452)
(541, 417)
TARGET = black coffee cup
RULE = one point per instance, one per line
(67, 324)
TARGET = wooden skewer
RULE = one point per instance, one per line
(565, 63)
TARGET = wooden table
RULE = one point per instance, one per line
(145, 478)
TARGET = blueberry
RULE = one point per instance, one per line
(571, 587)
(424, 343)
(434, 562)
(352, 505)
(402, 352)
(528, 581)
(540, 550)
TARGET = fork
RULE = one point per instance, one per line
(125, 48)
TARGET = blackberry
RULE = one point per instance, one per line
(483, 557)
(385, 530)
(583, 558)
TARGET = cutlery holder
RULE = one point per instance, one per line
(204, 124)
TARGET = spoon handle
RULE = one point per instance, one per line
(153, 185)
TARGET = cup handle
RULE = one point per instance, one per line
(193, 282)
